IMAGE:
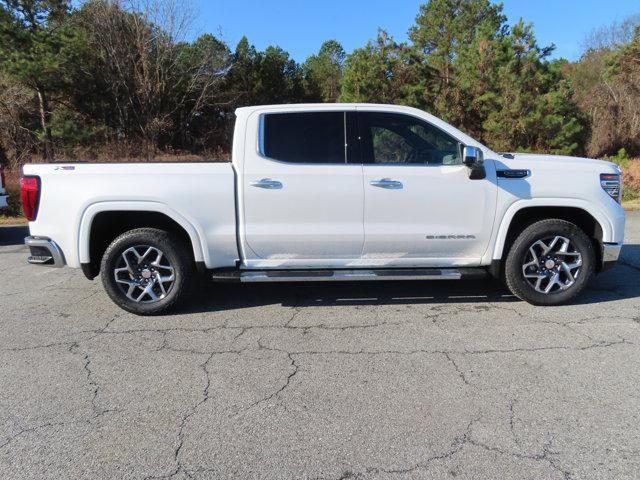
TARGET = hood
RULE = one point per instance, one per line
(534, 161)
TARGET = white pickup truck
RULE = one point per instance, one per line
(326, 193)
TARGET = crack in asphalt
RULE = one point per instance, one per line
(179, 468)
(35, 428)
(287, 381)
(95, 388)
(512, 421)
(598, 344)
(545, 456)
(456, 446)
(459, 443)
(457, 368)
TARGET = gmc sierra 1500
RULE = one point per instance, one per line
(330, 192)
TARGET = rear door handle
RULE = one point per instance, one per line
(267, 183)
(387, 183)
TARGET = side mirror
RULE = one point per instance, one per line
(472, 156)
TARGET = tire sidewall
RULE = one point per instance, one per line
(171, 249)
(537, 231)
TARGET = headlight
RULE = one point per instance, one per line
(612, 184)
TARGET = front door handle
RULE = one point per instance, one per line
(267, 183)
(387, 183)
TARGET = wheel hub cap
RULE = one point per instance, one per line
(549, 264)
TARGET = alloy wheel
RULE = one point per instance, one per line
(144, 274)
(552, 264)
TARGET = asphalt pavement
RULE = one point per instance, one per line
(333, 381)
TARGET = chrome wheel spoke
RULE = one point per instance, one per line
(540, 244)
(149, 291)
(553, 281)
(161, 285)
(573, 265)
(567, 271)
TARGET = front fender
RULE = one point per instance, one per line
(611, 223)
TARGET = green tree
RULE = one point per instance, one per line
(382, 71)
(492, 81)
(453, 39)
(38, 49)
(323, 72)
(260, 78)
(532, 108)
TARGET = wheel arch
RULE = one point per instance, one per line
(518, 217)
(102, 223)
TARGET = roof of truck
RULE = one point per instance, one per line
(322, 106)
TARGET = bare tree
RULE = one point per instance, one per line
(149, 68)
(17, 141)
(610, 36)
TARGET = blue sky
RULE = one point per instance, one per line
(300, 26)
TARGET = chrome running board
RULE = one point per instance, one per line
(356, 275)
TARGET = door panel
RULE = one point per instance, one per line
(309, 207)
(421, 208)
(433, 202)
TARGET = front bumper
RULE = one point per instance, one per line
(44, 251)
(610, 255)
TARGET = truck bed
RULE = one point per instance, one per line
(199, 196)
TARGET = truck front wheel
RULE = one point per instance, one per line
(146, 271)
(550, 262)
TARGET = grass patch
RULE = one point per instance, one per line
(8, 220)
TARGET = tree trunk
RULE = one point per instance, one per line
(47, 143)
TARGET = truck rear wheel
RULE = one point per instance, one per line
(550, 262)
(146, 271)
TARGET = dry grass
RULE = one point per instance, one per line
(4, 220)
(631, 172)
(631, 179)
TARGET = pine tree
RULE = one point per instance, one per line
(38, 49)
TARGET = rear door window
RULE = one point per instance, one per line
(305, 137)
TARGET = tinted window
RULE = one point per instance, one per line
(402, 139)
(310, 137)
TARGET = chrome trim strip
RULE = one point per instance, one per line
(54, 250)
(513, 174)
(347, 276)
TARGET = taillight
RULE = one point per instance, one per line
(611, 183)
(30, 196)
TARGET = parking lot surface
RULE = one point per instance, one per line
(332, 381)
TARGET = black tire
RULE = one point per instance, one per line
(517, 257)
(174, 254)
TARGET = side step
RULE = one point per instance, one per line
(358, 275)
